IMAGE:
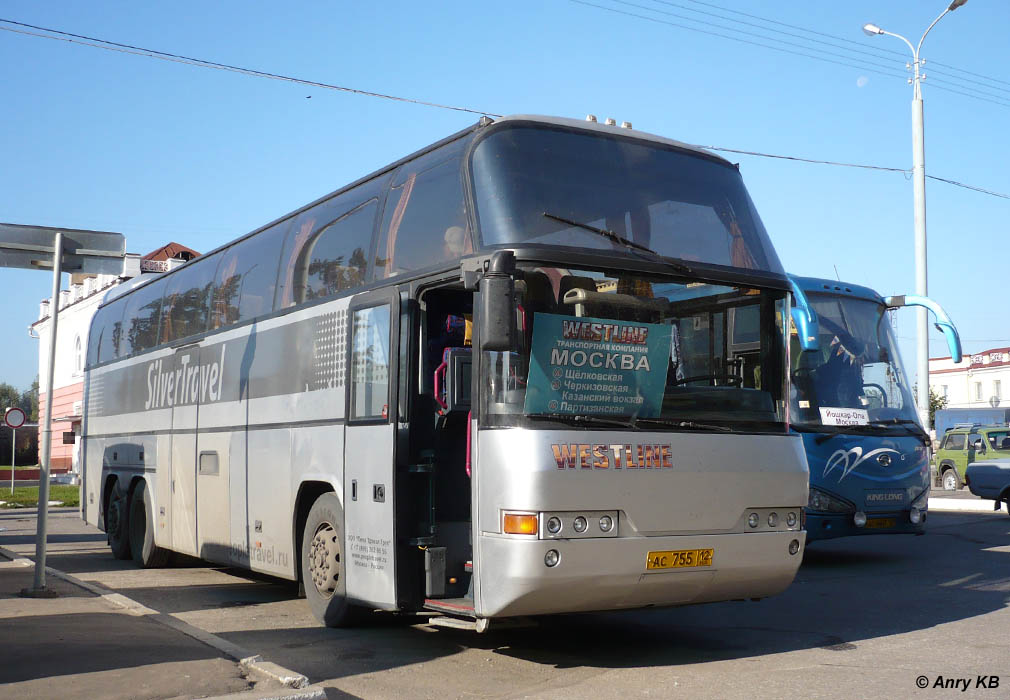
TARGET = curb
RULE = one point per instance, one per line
(965, 505)
(312, 692)
(250, 662)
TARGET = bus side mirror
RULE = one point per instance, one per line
(942, 320)
(497, 312)
(804, 318)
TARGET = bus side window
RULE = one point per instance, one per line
(424, 221)
(370, 363)
(142, 318)
(327, 250)
(184, 310)
(106, 334)
(246, 278)
(336, 258)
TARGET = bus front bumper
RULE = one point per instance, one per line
(610, 573)
(824, 526)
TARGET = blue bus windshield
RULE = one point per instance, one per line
(855, 377)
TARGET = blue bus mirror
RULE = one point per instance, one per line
(805, 318)
(942, 320)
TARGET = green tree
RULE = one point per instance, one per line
(936, 403)
(9, 396)
(30, 401)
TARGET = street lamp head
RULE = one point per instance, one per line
(873, 30)
(956, 4)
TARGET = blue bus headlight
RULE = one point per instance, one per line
(826, 503)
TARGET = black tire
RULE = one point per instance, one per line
(142, 528)
(117, 523)
(951, 481)
(323, 563)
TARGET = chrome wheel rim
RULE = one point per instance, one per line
(324, 560)
(949, 482)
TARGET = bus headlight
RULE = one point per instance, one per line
(823, 502)
(753, 519)
(773, 519)
(915, 515)
(859, 518)
(580, 524)
(552, 558)
(606, 523)
(791, 519)
(554, 525)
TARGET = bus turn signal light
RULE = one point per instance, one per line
(520, 524)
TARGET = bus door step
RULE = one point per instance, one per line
(482, 624)
(460, 607)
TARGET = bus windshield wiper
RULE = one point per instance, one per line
(910, 426)
(673, 423)
(585, 420)
(620, 240)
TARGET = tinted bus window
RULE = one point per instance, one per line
(106, 334)
(327, 250)
(141, 318)
(424, 221)
(677, 203)
(185, 307)
(336, 258)
(246, 278)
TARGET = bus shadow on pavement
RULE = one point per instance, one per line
(847, 591)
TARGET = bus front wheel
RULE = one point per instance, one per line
(323, 563)
(117, 523)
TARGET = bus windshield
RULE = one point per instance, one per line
(624, 350)
(545, 185)
(855, 378)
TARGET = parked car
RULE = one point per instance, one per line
(966, 443)
(990, 479)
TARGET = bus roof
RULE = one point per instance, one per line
(829, 286)
(482, 123)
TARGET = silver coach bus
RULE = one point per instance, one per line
(537, 367)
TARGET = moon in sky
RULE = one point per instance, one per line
(861, 81)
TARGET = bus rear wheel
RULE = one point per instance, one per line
(142, 547)
(117, 523)
(323, 563)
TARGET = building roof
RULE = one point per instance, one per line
(170, 251)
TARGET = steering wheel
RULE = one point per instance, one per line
(879, 388)
(729, 379)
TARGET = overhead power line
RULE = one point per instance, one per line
(884, 50)
(176, 58)
(97, 43)
(760, 40)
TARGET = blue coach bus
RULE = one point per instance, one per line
(854, 408)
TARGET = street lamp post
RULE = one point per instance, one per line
(919, 188)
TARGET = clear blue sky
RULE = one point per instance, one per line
(166, 152)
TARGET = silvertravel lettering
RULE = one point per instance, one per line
(188, 383)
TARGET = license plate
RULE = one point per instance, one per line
(681, 559)
(881, 523)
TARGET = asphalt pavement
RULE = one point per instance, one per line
(189, 632)
(83, 640)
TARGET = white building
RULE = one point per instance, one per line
(78, 305)
(979, 381)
